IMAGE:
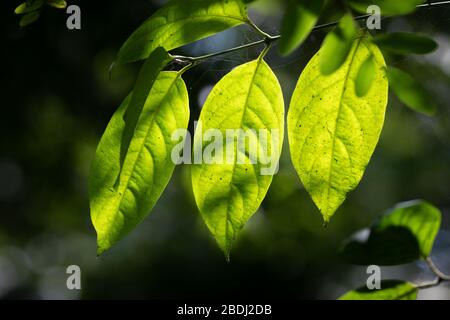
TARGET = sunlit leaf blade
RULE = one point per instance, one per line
(29, 6)
(333, 132)
(180, 22)
(365, 77)
(300, 18)
(29, 18)
(405, 234)
(337, 45)
(121, 197)
(390, 290)
(411, 92)
(58, 4)
(405, 43)
(388, 7)
(148, 74)
(228, 194)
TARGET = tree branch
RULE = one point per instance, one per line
(268, 39)
(440, 276)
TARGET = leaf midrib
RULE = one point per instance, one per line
(344, 90)
(141, 147)
(258, 63)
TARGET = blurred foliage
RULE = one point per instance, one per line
(56, 101)
(31, 9)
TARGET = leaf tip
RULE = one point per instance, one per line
(100, 250)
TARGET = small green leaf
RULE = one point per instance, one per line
(58, 4)
(300, 18)
(181, 22)
(405, 234)
(390, 290)
(29, 18)
(120, 197)
(337, 45)
(21, 8)
(333, 132)
(411, 92)
(365, 77)
(228, 193)
(29, 6)
(388, 7)
(405, 43)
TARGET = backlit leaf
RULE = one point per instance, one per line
(148, 74)
(58, 4)
(411, 92)
(337, 45)
(405, 234)
(121, 197)
(333, 132)
(229, 193)
(300, 18)
(180, 22)
(390, 290)
(405, 43)
(29, 6)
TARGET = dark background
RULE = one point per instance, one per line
(56, 100)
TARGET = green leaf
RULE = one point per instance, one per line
(390, 290)
(405, 43)
(29, 6)
(411, 92)
(333, 132)
(365, 77)
(337, 45)
(148, 74)
(390, 7)
(180, 22)
(405, 234)
(120, 197)
(58, 4)
(300, 18)
(228, 193)
(29, 18)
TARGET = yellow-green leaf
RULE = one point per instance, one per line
(229, 192)
(300, 18)
(333, 132)
(337, 45)
(58, 4)
(148, 74)
(120, 197)
(180, 22)
(390, 290)
(29, 6)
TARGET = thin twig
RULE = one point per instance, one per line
(442, 276)
(429, 284)
(269, 38)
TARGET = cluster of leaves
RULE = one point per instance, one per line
(404, 234)
(30, 10)
(334, 121)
